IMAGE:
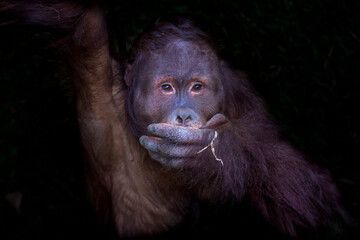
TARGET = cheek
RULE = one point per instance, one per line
(152, 108)
(208, 105)
(209, 108)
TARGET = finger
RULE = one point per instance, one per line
(167, 148)
(217, 120)
(181, 134)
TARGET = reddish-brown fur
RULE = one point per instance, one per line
(138, 194)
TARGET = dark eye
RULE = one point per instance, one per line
(167, 87)
(196, 87)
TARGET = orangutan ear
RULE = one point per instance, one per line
(127, 74)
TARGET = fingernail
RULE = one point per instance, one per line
(142, 140)
(151, 128)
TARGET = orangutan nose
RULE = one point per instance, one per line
(185, 117)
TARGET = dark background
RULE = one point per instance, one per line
(301, 56)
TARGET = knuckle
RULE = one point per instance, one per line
(211, 135)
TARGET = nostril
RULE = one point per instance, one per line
(179, 120)
(183, 119)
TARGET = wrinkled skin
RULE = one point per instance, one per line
(172, 143)
(179, 99)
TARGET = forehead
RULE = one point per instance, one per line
(181, 59)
